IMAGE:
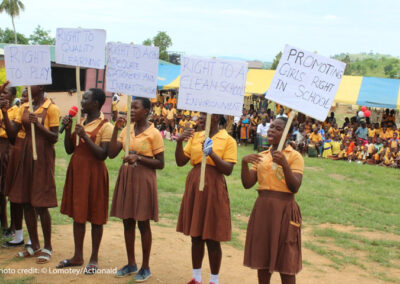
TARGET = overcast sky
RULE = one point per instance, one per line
(244, 29)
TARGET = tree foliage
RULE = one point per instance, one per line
(276, 61)
(148, 42)
(12, 8)
(370, 65)
(7, 36)
(163, 41)
(41, 36)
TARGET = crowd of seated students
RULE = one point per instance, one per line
(358, 140)
(170, 121)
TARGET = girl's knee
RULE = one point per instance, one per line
(213, 245)
(144, 226)
(97, 227)
(42, 211)
(197, 240)
(129, 224)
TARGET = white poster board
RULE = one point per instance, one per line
(81, 47)
(213, 86)
(132, 69)
(306, 82)
(28, 65)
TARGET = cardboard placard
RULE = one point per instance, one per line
(213, 86)
(306, 82)
(132, 69)
(81, 47)
(28, 65)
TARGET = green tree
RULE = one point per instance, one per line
(12, 8)
(276, 61)
(388, 69)
(41, 36)
(147, 42)
(163, 41)
(7, 36)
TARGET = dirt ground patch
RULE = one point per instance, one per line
(170, 260)
(312, 169)
(337, 176)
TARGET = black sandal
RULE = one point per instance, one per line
(66, 263)
(91, 269)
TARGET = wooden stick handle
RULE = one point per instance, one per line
(284, 134)
(78, 96)
(128, 127)
(286, 130)
(204, 160)
(32, 125)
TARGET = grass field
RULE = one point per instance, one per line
(361, 197)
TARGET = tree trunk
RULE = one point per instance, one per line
(15, 32)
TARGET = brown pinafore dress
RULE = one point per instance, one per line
(5, 149)
(85, 196)
(33, 181)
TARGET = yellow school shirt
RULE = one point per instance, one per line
(192, 124)
(315, 138)
(195, 113)
(186, 112)
(334, 131)
(157, 110)
(342, 154)
(114, 106)
(224, 146)
(171, 113)
(12, 113)
(105, 132)
(371, 148)
(270, 179)
(371, 133)
(148, 143)
(52, 118)
(385, 135)
(182, 123)
(393, 144)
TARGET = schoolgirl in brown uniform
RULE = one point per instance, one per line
(31, 183)
(273, 240)
(7, 96)
(16, 210)
(135, 194)
(205, 215)
(85, 196)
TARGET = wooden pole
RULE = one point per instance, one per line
(284, 134)
(78, 96)
(204, 160)
(128, 126)
(32, 125)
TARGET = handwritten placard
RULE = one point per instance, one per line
(132, 69)
(81, 47)
(212, 85)
(306, 82)
(28, 65)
